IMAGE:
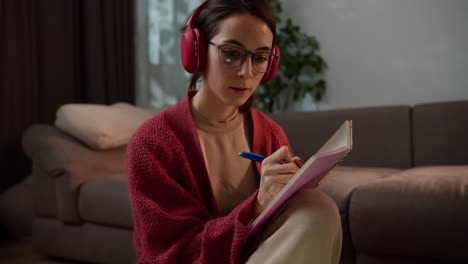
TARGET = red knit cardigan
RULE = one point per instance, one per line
(176, 219)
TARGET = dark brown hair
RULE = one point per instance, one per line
(215, 11)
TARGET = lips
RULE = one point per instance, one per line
(240, 90)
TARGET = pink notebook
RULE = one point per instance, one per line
(313, 171)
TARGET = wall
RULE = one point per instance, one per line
(384, 52)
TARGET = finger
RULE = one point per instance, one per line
(276, 168)
(281, 178)
(281, 155)
(298, 161)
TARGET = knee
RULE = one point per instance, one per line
(315, 210)
(322, 232)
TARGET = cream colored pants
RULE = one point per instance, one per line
(307, 229)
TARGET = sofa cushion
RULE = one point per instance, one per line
(420, 212)
(342, 180)
(106, 201)
(381, 135)
(101, 126)
(440, 132)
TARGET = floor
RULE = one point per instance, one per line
(22, 252)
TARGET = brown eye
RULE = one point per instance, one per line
(231, 53)
(260, 57)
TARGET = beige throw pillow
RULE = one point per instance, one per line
(102, 126)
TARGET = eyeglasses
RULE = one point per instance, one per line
(233, 57)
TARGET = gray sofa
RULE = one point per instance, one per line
(402, 192)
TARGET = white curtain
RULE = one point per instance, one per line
(161, 80)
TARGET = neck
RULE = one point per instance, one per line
(213, 109)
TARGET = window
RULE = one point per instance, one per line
(161, 80)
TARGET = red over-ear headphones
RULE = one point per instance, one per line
(193, 50)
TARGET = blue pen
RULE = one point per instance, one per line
(252, 156)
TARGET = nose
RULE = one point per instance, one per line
(246, 69)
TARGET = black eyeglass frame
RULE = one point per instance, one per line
(244, 58)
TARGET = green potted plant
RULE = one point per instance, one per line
(300, 70)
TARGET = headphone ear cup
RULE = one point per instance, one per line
(187, 50)
(193, 50)
(273, 65)
(201, 50)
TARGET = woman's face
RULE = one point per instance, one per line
(233, 86)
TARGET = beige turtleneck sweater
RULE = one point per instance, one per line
(232, 177)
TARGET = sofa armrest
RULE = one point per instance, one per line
(58, 153)
(68, 163)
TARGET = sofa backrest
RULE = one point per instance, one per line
(382, 135)
(440, 133)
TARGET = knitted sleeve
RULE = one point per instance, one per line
(281, 139)
(278, 135)
(171, 222)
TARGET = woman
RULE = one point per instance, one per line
(193, 197)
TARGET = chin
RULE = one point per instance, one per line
(240, 102)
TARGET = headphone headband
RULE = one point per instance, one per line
(195, 14)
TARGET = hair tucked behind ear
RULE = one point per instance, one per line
(215, 11)
(193, 81)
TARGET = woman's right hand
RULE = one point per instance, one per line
(277, 170)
